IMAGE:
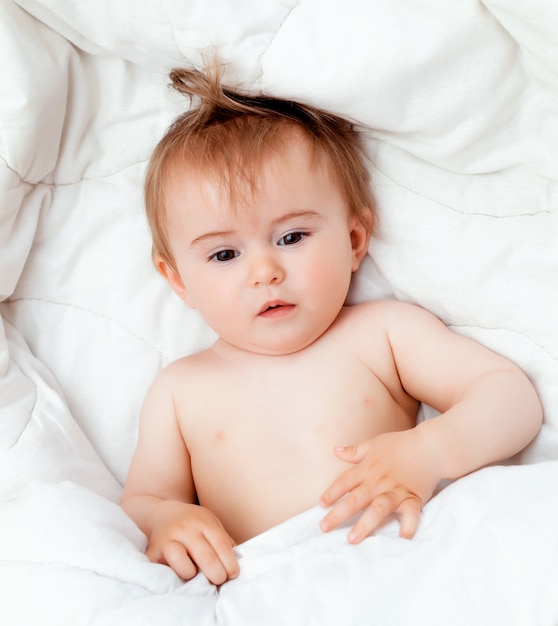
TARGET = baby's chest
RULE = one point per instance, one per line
(294, 411)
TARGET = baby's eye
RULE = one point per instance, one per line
(291, 238)
(223, 256)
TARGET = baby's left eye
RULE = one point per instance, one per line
(222, 256)
(291, 238)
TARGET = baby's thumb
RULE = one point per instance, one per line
(350, 454)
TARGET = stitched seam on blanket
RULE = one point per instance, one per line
(77, 569)
(461, 211)
(506, 330)
(96, 314)
(77, 181)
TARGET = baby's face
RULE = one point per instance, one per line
(269, 274)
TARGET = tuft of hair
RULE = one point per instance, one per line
(228, 134)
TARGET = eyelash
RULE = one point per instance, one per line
(299, 235)
(217, 256)
(227, 254)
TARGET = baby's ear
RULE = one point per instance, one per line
(360, 238)
(172, 277)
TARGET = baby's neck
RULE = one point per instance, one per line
(240, 355)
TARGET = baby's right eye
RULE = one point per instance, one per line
(222, 256)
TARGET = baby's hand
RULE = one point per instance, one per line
(188, 538)
(392, 473)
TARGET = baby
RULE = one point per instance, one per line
(260, 211)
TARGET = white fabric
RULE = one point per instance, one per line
(462, 104)
(478, 556)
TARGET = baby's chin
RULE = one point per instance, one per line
(279, 348)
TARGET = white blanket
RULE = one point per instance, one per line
(462, 104)
(479, 557)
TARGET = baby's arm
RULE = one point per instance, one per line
(489, 411)
(159, 496)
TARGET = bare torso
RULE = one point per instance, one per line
(261, 430)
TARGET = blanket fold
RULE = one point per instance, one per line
(460, 107)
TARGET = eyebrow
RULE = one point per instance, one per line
(211, 235)
(294, 215)
(276, 222)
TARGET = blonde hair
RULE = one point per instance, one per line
(228, 135)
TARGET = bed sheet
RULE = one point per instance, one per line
(462, 106)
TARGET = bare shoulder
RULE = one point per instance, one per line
(390, 314)
(183, 373)
(400, 327)
(188, 363)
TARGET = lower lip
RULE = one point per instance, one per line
(278, 312)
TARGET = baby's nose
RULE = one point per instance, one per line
(266, 270)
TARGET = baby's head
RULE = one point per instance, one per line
(260, 210)
(229, 136)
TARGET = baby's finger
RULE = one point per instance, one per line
(174, 554)
(348, 506)
(208, 561)
(343, 484)
(380, 508)
(223, 546)
(410, 510)
(351, 454)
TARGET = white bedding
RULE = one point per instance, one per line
(462, 103)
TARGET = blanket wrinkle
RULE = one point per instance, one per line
(461, 100)
(293, 5)
(528, 338)
(87, 311)
(6, 164)
(53, 566)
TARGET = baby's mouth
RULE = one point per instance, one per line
(276, 308)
